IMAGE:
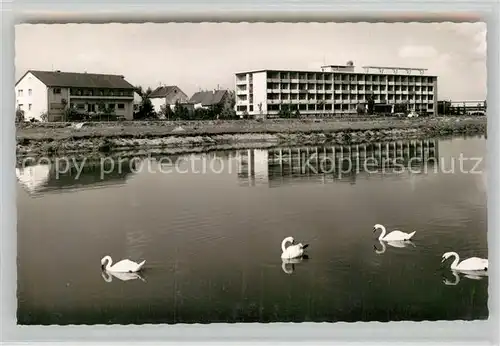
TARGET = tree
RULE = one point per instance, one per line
(360, 109)
(180, 111)
(284, 111)
(166, 111)
(146, 109)
(19, 116)
(371, 103)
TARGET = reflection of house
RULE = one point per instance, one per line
(50, 92)
(336, 163)
(212, 99)
(167, 95)
(43, 178)
(32, 178)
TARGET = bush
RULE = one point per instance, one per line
(19, 116)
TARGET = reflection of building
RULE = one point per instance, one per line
(253, 164)
(335, 163)
(42, 178)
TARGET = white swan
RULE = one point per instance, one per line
(394, 243)
(469, 265)
(124, 266)
(395, 235)
(108, 276)
(292, 251)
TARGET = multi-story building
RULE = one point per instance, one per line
(334, 90)
(51, 92)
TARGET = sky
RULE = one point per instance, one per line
(205, 56)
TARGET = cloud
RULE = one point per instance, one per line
(414, 51)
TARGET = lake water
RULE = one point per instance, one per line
(210, 227)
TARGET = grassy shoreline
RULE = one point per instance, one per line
(54, 139)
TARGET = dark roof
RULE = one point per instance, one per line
(163, 91)
(80, 80)
(208, 98)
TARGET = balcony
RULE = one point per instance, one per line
(101, 93)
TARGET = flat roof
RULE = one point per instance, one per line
(347, 72)
(397, 68)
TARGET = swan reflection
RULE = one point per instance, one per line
(473, 275)
(288, 264)
(108, 276)
(394, 243)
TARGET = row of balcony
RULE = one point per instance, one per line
(100, 93)
(416, 81)
(340, 101)
(344, 91)
(347, 81)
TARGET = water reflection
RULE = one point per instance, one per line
(288, 264)
(396, 243)
(275, 167)
(108, 276)
(270, 167)
(478, 275)
(71, 174)
(207, 242)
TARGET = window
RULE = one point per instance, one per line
(121, 106)
(111, 106)
(29, 92)
(57, 90)
(29, 106)
(21, 106)
(20, 92)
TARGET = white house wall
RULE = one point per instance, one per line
(259, 92)
(157, 103)
(37, 98)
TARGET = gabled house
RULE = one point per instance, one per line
(212, 99)
(167, 95)
(44, 95)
